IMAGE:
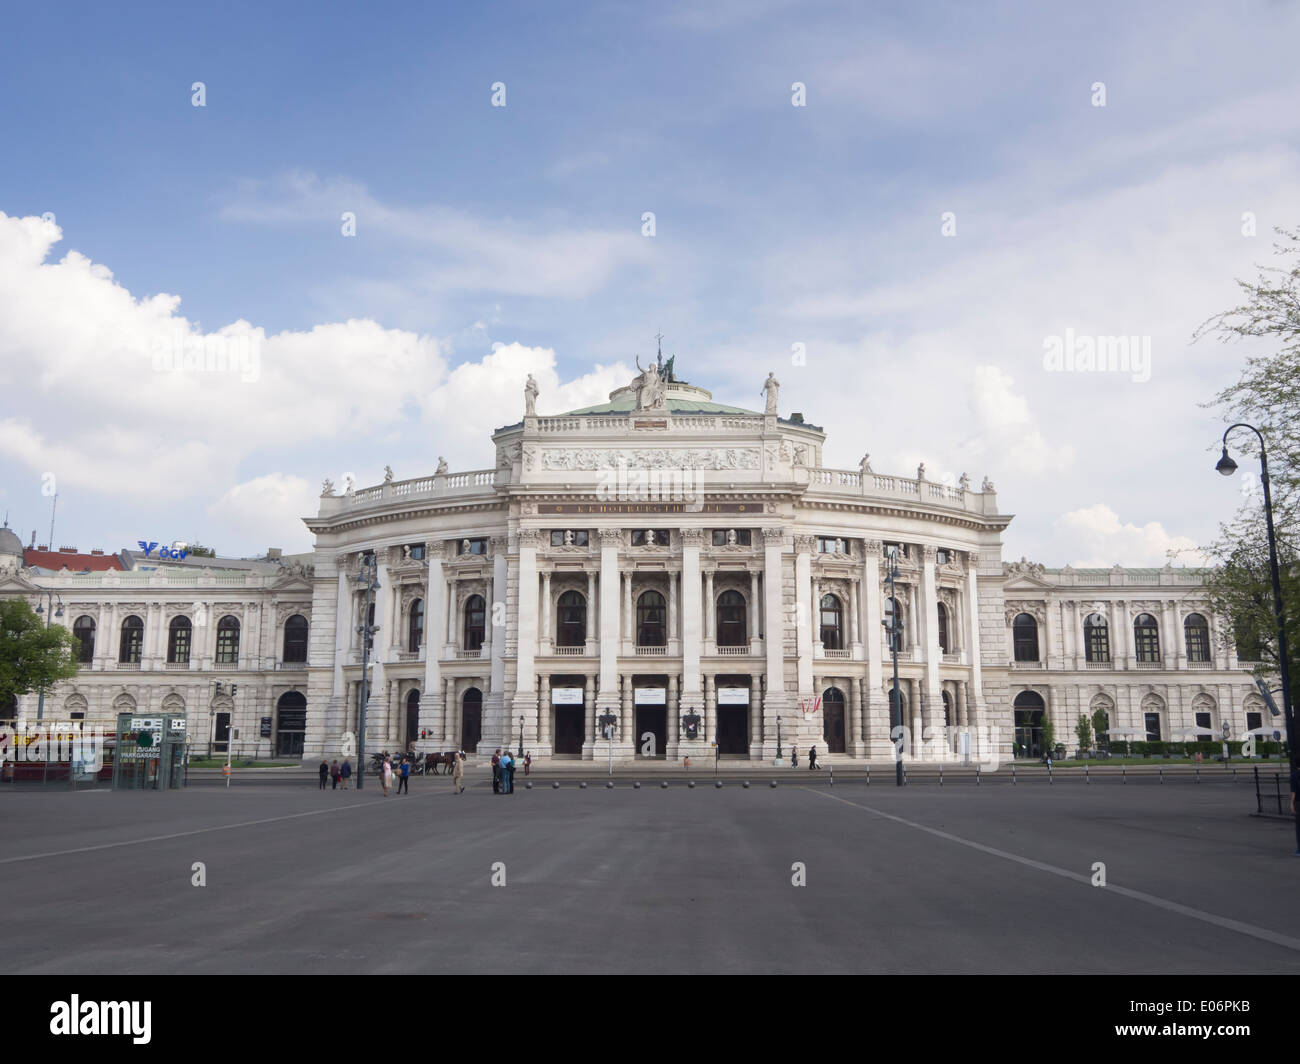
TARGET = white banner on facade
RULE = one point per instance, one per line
(733, 696)
(651, 696)
(566, 696)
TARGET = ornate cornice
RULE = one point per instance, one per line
(804, 544)
(610, 535)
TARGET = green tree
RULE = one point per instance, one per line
(1266, 395)
(32, 656)
(1084, 731)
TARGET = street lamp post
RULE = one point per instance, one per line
(895, 700)
(368, 580)
(42, 611)
(1227, 467)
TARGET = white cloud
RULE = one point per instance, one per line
(269, 510)
(1094, 537)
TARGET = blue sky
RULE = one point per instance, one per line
(496, 241)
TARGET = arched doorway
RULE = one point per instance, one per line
(833, 720)
(1029, 708)
(471, 719)
(412, 718)
(290, 724)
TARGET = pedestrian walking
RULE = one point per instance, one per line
(511, 765)
(794, 756)
(335, 774)
(812, 758)
(404, 777)
(324, 772)
(505, 772)
(458, 774)
(496, 771)
(345, 772)
(386, 775)
(528, 760)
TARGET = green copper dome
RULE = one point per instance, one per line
(679, 398)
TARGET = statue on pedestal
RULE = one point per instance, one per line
(770, 388)
(442, 466)
(530, 397)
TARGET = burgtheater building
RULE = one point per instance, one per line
(643, 579)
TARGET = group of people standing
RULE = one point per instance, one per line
(503, 770)
(402, 772)
(794, 757)
(336, 772)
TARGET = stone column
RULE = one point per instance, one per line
(1171, 641)
(627, 633)
(975, 696)
(674, 635)
(673, 725)
(544, 714)
(524, 702)
(1119, 638)
(375, 692)
(853, 740)
(627, 717)
(755, 715)
(451, 715)
(915, 702)
(431, 695)
(452, 606)
(496, 729)
(855, 641)
(753, 605)
(775, 698)
(875, 704)
(710, 620)
(590, 641)
(933, 655)
(610, 540)
(710, 708)
(692, 690)
(589, 712)
(547, 634)
(803, 546)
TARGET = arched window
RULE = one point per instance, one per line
(571, 620)
(475, 622)
(84, 629)
(651, 630)
(1096, 638)
(943, 628)
(228, 641)
(731, 619)
(178, 641)
(295, 639)
(415, 635)
(1146, 638)
(1198, 637)
(1029, 708)
(893, 624)
(833, 720)
(1024, 633)
(831, 623)
(412, 717)
(132, 641)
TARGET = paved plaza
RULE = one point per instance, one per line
(960, 879)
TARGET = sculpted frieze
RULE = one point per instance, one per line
(591, 460)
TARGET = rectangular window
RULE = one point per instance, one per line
(1254, 721)
(568, 537)
(901, 548)
(723, 537)
(940, 557)
(650, 537)
(1203, 724)
(417, 552)
(472, 546)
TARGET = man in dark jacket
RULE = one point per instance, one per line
(403, 776)
(324, 772)
(812, 758)
(345, 772)
(496, 771)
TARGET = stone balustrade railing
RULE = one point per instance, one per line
(849, 482)
(597, 424)
(475, 482)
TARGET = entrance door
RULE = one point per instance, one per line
(833, 720)
(651, 732)
(471, 720)
(733, 730)
(568, 730)
(222, 734)
(412, 718)
(291, 724)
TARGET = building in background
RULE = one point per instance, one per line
(646, 578)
